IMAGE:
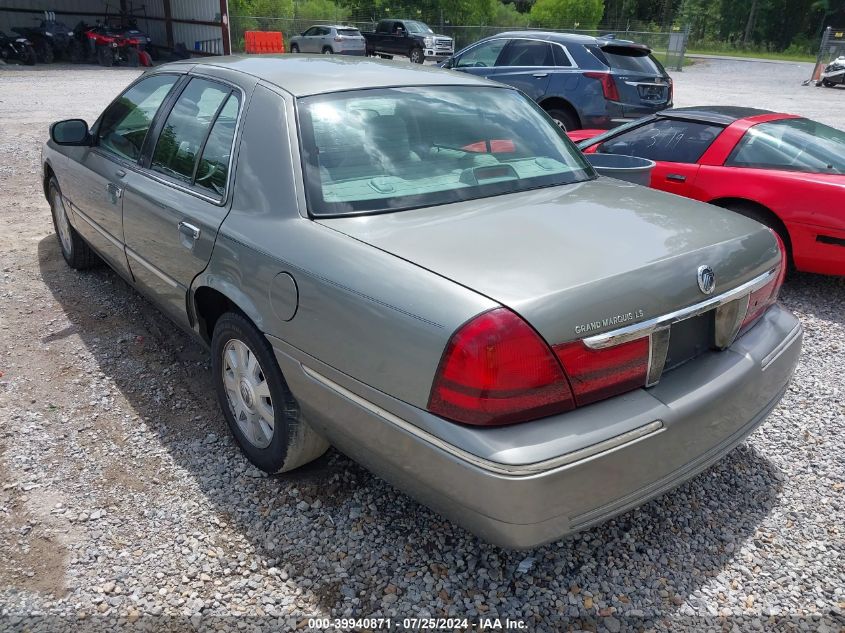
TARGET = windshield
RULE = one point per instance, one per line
(792, 145)
(400, 148)
(417, 27)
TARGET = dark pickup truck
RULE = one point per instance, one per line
(407, 37)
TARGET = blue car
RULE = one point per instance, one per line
(581, 81)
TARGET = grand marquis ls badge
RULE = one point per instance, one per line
(706, 279)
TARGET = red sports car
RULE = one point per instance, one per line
(780, 169)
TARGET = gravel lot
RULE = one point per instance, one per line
(125, 502)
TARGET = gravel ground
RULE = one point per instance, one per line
(769, 85)
(124, 502)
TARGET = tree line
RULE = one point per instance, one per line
(793, 26)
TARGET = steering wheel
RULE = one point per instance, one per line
(479, 65)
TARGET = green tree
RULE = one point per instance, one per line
(558, 14)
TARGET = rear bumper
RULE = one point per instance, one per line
(654, 440)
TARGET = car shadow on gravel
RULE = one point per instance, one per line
(346, 539)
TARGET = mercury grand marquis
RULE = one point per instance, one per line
(418, 267)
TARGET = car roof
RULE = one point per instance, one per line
(303, 75)
(720, 115)
(569, 38)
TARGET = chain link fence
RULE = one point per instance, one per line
(669, 47)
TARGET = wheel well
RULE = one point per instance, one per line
(556, 103)
(770, 216)
(210, 305)
(48, 173)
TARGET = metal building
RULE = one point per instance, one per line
(201, 25)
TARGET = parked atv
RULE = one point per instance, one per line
(109, 47)
(17, 49)
(52, 40)
(834, 73)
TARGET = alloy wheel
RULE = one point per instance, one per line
(248, 393)
(62, 223)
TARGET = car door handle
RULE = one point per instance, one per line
(541, 74)
(114, 191)
(676, 177)
(120, 173)
(189, 230)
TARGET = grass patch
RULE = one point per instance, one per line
(753, 54)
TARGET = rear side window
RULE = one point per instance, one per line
(349, 32)
(793, 145)
(213, 168)
(631, 59)
(190, 127)
(561, 58)
(125, 123)
(664, 140)
(527, 53)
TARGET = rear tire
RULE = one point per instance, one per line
(75, 250)
(564, 120)
(29, 57)
(132, 57)
(105, 57)
(827, 84)
(75, 52)
(294, 49)
(44, 52)
(253, 393)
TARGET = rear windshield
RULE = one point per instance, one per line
(348, 32)
(370, 151)
(632, 59)
(792, 145)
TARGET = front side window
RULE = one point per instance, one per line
(482, 56)
(527, 53)
(186, 128)
(667, 140)
(793, 145)
(399, 148)
(125, 123)
(311, 32)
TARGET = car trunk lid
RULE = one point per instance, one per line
(576, 260)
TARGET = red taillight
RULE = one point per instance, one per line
(761, 299)
(608, 85)
(338, 38)
(596, 374)
(497, 370)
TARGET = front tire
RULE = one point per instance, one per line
(28, 56)
(105, 57)
(132, 57)
(75, 250)
(416, 56)
(563, 119)
(294, 49)
(327, 50)
(258, 406)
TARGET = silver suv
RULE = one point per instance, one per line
(329, 40)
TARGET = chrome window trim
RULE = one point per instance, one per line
(647, 327)
(516, 470)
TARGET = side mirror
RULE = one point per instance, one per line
(449, 63)
(70, 132)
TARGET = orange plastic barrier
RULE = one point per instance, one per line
(258, 42)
